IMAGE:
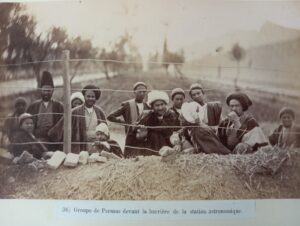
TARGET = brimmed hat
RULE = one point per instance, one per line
(47, 79)
(157, 95)
(240, 97)
(136, 85)
(177, 91)
(96, 90)
(190, 112)
(24, 116)
(102, 127)
(287, 110)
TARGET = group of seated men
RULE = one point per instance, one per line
(188, 127)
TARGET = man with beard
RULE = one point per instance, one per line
(154, 127)
(46, 111)
(239, 131)
(130, 110)
(85, 119)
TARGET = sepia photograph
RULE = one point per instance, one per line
(150, 100)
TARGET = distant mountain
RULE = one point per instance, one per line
(269, 33)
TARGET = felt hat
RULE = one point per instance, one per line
(77, 95)
(196, 86)
(47, 79)
(177, 91)
(287, 110)
(102, 127)
(136, 85)
(24, 116)
(157, 95)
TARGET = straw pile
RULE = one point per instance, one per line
(270, 173)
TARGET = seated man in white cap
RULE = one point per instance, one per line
(130, 110)
(23, 139)
(239, 131)
(202, 137)
(156, 127)
(103, 143)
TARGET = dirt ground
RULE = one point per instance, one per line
(148, 178)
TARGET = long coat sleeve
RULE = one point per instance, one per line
(79, 137)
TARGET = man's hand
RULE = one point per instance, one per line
(177, 148)
(232, 116)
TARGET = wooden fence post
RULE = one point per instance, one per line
(67, 102)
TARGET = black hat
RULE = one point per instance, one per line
(96, 90)
(47, 79)
(240, 97)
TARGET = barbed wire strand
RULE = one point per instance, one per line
(139, 125)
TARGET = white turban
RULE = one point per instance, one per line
(190, 111)
(157, 95)
(77, 95)
(102, 127)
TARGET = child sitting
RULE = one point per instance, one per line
(103, 143)
(285, 134)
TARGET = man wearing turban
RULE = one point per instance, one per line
(239, 131)
(154, 127)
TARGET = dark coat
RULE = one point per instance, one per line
(57, 109)
(11, 124)
(156, 137)
(293, 138)
(79, 126)
(21, 136)
(177, 116)
(125, 112)
(214, 111)
(205, 140)
(248, 124)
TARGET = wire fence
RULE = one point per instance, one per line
(135, 125)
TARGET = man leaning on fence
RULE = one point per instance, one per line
(130, 110)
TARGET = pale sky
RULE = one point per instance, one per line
(183, 21)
